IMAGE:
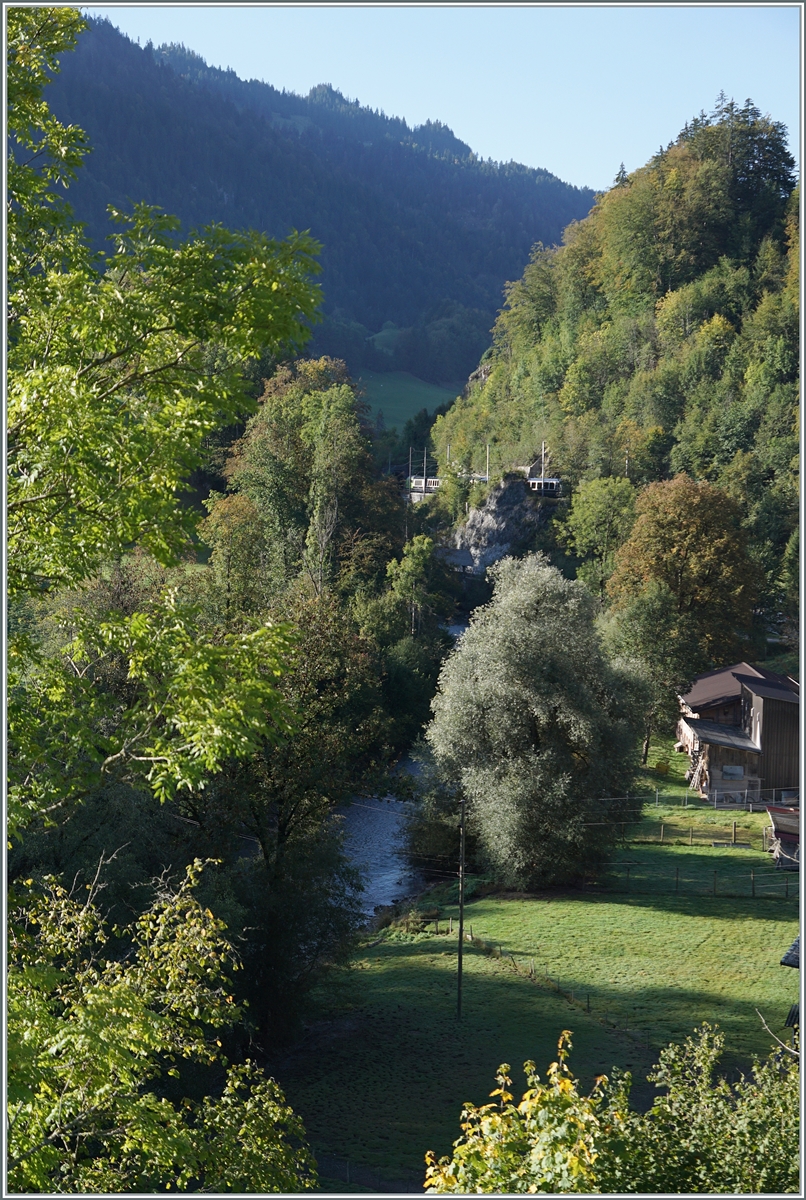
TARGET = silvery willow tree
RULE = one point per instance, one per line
(536, 728)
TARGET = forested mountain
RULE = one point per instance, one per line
(662, 337)
(416, 230)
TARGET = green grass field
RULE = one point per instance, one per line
(628, 964)
(387, 1067)
(399, 395)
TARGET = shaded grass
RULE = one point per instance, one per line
(660, 963)
(400, 396)
(392, 1085)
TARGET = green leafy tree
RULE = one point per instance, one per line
(117, 370)
(411, 579)
(536, 728)
(113, 384)
(601, 517)
(650, 632)
(96, 1017)
(304, 463)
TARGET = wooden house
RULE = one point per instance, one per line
(740, 727)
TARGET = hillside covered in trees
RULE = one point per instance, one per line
(662, 338)
(418, 234)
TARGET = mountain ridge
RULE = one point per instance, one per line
(415, 230)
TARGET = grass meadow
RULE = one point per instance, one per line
(627, 964)
(399, 395)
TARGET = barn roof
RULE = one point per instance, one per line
(715, 687)
(769, 689)
(792, 956)
(715, 734)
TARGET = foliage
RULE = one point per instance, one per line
(113, 384)
(544, 1144)
(688, 537)
(704, 1135)
(649, 632)
(187, 705)
(118, 370)
(304, 466)
(601, 517)
(701, 1134)
(662, 338)
(535, 727)
(93, 1026)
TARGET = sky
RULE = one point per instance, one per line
(576, 89)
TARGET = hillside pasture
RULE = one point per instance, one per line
(627, 973)
(400, 396)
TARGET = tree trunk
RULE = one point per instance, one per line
(645, 749)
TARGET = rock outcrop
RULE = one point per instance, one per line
(505, 524)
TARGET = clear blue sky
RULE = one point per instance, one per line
(575, 88)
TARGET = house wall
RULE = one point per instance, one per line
(720, 756)
(780, 766)
(724, 714)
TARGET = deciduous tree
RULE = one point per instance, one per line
(536, 728)
(688, 536)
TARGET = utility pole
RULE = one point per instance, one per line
(408, 499)
(488, 462)
(543, 463)
(461, 907)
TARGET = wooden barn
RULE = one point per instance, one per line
(740, 727)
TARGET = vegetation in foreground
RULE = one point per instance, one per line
(219, 710)
(700, 1135)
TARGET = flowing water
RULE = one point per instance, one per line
(373, 839)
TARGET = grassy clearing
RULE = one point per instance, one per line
(629, 965)
(399, 395)
(388, 1066)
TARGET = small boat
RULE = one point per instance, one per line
(785, 821)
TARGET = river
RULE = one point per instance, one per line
(373, 839)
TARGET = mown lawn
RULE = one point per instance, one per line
(387, 1066)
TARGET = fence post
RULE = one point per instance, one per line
(733, 838)
(656, 797)
(691, 835)
(661, 833)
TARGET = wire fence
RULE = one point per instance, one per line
(756, 883)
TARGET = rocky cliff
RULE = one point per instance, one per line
(505, 524)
